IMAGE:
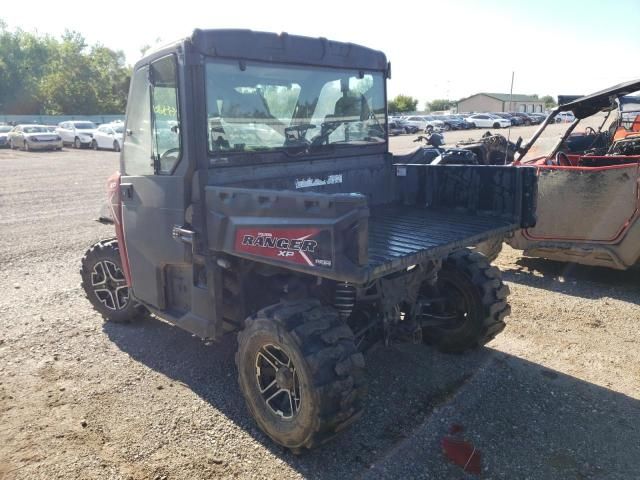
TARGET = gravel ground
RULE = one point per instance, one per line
(554, 396)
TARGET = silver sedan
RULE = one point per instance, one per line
(34, 137)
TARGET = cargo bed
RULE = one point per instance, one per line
(401, 236)
(437, 210)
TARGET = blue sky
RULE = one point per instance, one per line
(437, 48)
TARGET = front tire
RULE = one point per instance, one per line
(77, 143)
(104, 282)
(94, 145)
(496, 125)
(477, 298)
(300, 373)
(116, 146)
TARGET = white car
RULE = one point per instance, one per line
(565, 117)
(34, 137)
(4, 135)
(76, 132)
(486, 120)
(109, 136)
(424, 122)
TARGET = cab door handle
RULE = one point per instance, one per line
(126, 190)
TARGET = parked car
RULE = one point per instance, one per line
(565, 117)
(4, 135)
(76, 133)
(433, 123)
(526, 119)
(537, 118)
(452, 122)
(487, 120)
(461, 119)
(408, 128)
(394, 129)
(424, 122)
(34, 137)
(515, 121)
(110, 136)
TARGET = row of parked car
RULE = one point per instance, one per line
(462, 121)
(76, 133)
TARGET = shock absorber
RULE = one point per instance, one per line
(345, 299)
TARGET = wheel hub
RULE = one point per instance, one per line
(278, 381)
(284, 378)
(109, 285)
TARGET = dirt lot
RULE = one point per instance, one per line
(556, 395)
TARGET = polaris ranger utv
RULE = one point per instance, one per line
(257, 195)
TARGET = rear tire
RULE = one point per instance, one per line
(104, 283)
(300, 373)
(94, 145)
(490, 248)
(479, 299)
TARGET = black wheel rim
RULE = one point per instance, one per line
(109, 285)
(454, 311)
(278, 381)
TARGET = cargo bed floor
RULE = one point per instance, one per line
(408, 235)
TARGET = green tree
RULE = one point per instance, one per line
(549, 101)
(439, 105)
(402, 103)
(44, 75)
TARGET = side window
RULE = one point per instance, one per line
(137, 140)
(166, 119)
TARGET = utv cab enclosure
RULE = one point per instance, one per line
(257, 195)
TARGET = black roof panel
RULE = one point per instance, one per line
(285, 48)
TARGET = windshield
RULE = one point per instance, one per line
(36, 130)
(265, 107)
(85, 126)
(119, 129)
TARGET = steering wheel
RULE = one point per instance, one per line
(562, 160)
(589, 131)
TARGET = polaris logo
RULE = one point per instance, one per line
(269, 241)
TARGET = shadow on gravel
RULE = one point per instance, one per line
(405, 383)
(577, 280)
(527, 420)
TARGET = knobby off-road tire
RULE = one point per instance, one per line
(490, 248)
(105, 285)
(305, 351)
(477, 294)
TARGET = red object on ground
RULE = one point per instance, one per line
(456, 428)
(463, 454)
